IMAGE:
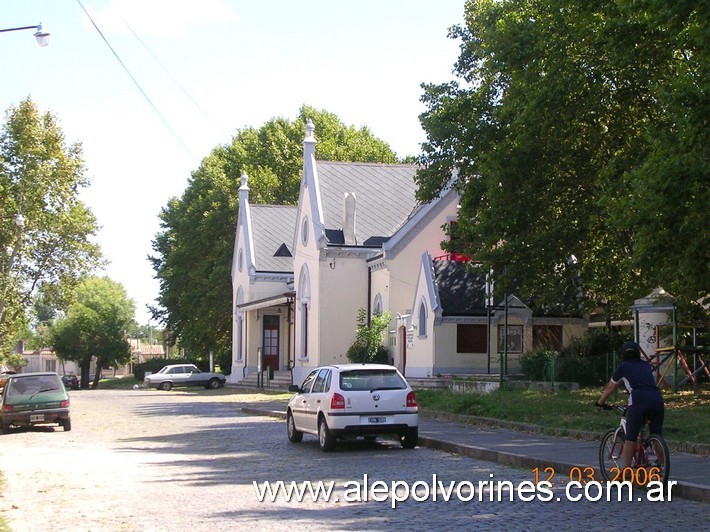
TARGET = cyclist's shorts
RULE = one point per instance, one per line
(644, 402)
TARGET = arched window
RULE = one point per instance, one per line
(239, 324)
(421, 325)
(377, 306)
(303, 295)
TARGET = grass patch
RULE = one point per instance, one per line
(123, 383)
(250, 396)
(685, 419)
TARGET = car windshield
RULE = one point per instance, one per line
(32, 385)
(371, 379)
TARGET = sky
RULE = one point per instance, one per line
(180, 77)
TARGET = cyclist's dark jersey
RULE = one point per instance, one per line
(634, 374)
(644, 399)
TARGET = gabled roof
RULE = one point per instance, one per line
(462, 288)
(273, 228)
(385, 198)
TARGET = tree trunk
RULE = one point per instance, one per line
(85, 370)
(97, 376)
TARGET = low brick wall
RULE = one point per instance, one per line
(486, 385)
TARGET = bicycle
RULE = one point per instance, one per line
(651, 458)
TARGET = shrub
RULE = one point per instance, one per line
(539, 365)
(588, 360)
(358, 353)
(585, 360)
(367, 346)
(224, 361)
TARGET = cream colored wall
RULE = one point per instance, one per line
(343, 292)
(401, 276)
(380, 285)
(404, 268)
(306, 254)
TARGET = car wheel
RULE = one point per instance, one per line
(212, 384)
(165, 386)
(325, 439)
(294, 435)
(66, 424)
(410, 438)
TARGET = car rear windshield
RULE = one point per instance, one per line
(371, 379)
(32, 385)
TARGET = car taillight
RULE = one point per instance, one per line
(64, 404)
(337, 401)
(411, 400)
(7, 408)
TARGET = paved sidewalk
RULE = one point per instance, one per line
(529, 451)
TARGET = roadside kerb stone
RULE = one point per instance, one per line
(702, 449)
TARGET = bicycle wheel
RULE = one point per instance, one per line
(610, 453)
(658, 457)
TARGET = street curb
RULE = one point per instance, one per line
(261, 412)
(702, 449)
(686, 490)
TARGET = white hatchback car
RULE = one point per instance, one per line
(352, 400)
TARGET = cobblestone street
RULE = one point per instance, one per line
(151, 460)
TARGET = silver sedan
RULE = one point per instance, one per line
(184, 375)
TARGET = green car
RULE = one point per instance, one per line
(34, 399)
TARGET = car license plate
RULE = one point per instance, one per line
(36, 417)
(377, 419)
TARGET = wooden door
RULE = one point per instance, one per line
(270, 342)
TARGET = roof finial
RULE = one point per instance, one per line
(244, 179)
(310, 129)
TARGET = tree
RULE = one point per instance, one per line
(193, 251)
(367, 346)
(572, 125)
(94, 326)
(44, 228)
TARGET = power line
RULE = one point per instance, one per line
(168, 73)
(135, 82)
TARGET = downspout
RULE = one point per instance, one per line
(294, 334)
(290, 331)
(243, 346)
(369, 294)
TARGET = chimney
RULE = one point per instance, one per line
(349, 207)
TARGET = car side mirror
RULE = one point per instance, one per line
(294, 388)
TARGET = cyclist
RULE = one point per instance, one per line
(644, 397)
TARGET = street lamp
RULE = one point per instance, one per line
(41, 35)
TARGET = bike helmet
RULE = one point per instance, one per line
(630, 351)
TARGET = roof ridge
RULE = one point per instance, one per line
(359, 163)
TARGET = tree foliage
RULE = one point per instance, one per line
(193, 251)
(40, 181)
(579, 132)
(369, 336)
(95, 326)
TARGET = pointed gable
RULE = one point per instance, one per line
(273, 226)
